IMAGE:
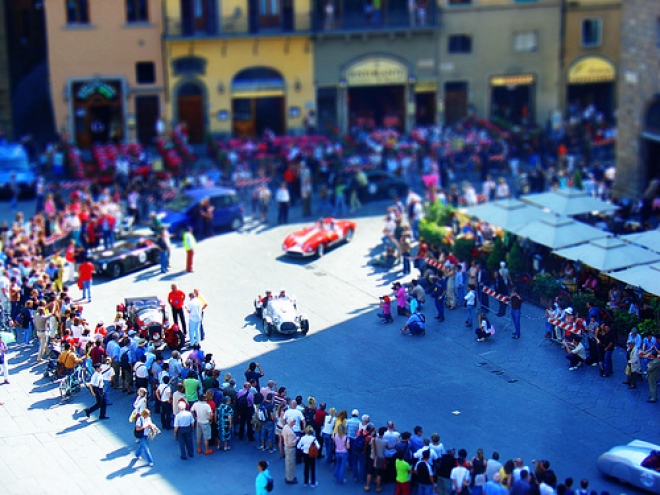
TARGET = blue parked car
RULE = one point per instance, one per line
(14, 162)
(179, 213)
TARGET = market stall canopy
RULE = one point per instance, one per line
(568, 202)
(645, 276)
(507, 214)
(609, 254)
(649, 239)
(559, 232)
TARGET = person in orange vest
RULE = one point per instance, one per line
(189, 244)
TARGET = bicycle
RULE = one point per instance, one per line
(72, 383)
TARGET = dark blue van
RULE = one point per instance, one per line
(179, 213)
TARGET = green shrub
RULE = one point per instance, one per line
(545, 286)
(647, 327)
(516, 261)
(439, 213)
(432, 232)
(579, 303)
(463, 249)
(496, 255)
(623, 322)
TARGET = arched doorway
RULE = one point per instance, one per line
(258, 102)
(98, 107)
(651, 139)
(190, 109)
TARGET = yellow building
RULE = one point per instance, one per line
(106, 70)
(591, 48)
(239, 66)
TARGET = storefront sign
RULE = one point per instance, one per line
(96, 86)
(376, 71)
(426, 87)
(515, 80)
(591, 70)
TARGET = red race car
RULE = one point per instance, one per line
(315, 240)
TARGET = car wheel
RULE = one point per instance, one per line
(372, 189)
(177, 341)
(236, 223)
(349, 235)
(268, 329)
(320, 251)
(115, 270)
(304, 326)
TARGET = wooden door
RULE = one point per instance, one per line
(269, 14)
(191, 111)
(456, 98)
(147, 110)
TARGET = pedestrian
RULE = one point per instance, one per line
(85, 273)
(340, 440)
(203, 417)
(163, 244)
(653, 373)
(225, 417)
(183, 424)
(177, 299)
(470, 302)
(438, 292)
(290, 442)
(499, 284)
(96, 388)
(263, 484)
(245, 411)
(310, 448)
(204, 304)
(283, 199)
(605, 340)
(142, 425)
(195, 315)
(515, 301)
(189, 244)
(402, 475)
(424, 472)
(164, 396)
(3, 360)
(40, 323)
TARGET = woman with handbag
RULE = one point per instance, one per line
(310, 448)
(143, 424)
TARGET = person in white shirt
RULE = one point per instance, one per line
(294, 414)
(460, 478)
(194, 308)
(282, 198)
(96, 387)
(204, 415)
(164, 395)
(470, 302)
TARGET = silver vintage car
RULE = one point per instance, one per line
(624, 462)
(281, 315)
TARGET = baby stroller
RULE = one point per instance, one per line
(51, 366)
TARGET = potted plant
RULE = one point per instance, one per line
(622, 323)
(546, 287)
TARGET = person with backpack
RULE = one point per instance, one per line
(245, 411)
(266, 415)
(415, 326)
(263, 484)
(424, 472)
(310, 448)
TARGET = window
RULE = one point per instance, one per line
(591, 32)
(459, 43)
(77, 12)
(145, 73)
(657, 32)
(136, 11)
(525, 42)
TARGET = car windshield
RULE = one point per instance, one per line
(180, 203)
(15, 165)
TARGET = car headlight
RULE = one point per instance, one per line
(309, 249)
(104, 266)
(276, 319)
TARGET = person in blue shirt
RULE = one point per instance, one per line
(262, 479)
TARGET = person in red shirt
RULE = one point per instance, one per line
(177, 298)
(85, 271)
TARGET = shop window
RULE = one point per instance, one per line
(459, 43)
(591, 32)
(77, 12)
(145, 73)
(136, 11)
(459, 2)
(657, 32)
(525, 42)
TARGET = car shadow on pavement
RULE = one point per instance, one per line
(301, 261)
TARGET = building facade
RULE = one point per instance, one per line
(638, 116)
(591, 48)
(5, 83)
(239, 67)
(106, 69)
(500, 60)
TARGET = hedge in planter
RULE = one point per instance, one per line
(545, 286)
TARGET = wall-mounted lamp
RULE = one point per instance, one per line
(412, 79)
(221, 88)
(297, 86)
(343, 83)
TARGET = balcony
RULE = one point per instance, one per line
(243, 23)
(238, 25)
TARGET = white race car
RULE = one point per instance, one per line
(624, 462)
(281, 315)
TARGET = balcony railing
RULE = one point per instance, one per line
(242, 24)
